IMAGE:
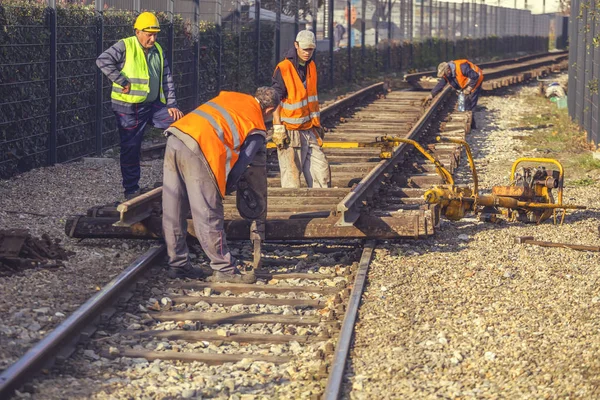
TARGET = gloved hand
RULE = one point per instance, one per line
(467, 91)
(426, 100)
(280, 136)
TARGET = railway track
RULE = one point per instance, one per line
(302, 311)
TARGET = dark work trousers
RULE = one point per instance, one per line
(188, 181)
(131, 131)
(472, 99)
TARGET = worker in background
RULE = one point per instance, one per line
(297, 130)
(207, 152)
(142, 92)
(338, 34)
(465, 77)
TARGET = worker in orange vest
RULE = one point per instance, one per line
(465, 77)
(297, 129)
(207, 152)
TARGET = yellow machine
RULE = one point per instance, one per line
(528, 198)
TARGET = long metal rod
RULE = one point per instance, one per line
(334, 382)
(17, 374)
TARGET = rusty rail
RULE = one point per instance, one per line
(525, 63)
(348, 210)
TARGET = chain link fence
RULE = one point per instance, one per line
(56, 103)
(584, 66)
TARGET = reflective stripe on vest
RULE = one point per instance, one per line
(220, 127)
(300, 110)
(463, 80)
(135, 69)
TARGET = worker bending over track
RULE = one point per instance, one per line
(142, 92)
(297, 130)
(465, 77)
(207, 152)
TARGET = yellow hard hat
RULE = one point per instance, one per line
(147, 22)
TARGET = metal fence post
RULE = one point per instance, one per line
(389, 49)
(330, 4)
(196, 54)
(363, 26)
(315, 14)
(462, 20)
(349, 36)
(258, 44)
(219, 32)
(277, 30)
(296, 20)
(99, 96)
(573, 39)
(238, 32)
(171, 37)
(431, 18)
(422, 21)
(52, 81)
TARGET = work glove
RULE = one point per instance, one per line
(467, 91)
(280, 137)
(426, 100)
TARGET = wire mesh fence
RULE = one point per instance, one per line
(584, 67)
(56, 105)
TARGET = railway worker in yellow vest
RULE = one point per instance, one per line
(207, 152)
(142, 92)
(297, 130)
(463, 76)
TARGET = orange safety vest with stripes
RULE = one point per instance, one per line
(462, 80)
(300, 110)
(220, 127)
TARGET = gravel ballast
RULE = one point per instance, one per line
(470, 314)
(464, 314)
(35, 301)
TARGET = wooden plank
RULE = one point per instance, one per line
(214, 318)
(245, 288)
(207, 336)
(210, 359)
(230, 301)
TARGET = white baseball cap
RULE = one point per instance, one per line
(306, 39)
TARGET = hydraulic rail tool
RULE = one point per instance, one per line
(528, 198)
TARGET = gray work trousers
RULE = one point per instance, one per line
(187, 181)
(303, 155)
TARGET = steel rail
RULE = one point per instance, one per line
(140, 208)
(334, 382)
(491, 64)
(43, 352)
(348, 210)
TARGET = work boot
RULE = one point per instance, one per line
(232, 276)
(132, 195)
(473, 125)
(187, 271)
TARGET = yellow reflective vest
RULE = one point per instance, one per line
(220, 126)
(135, 70)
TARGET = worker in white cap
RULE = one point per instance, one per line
(142, 92)
(297, 129)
